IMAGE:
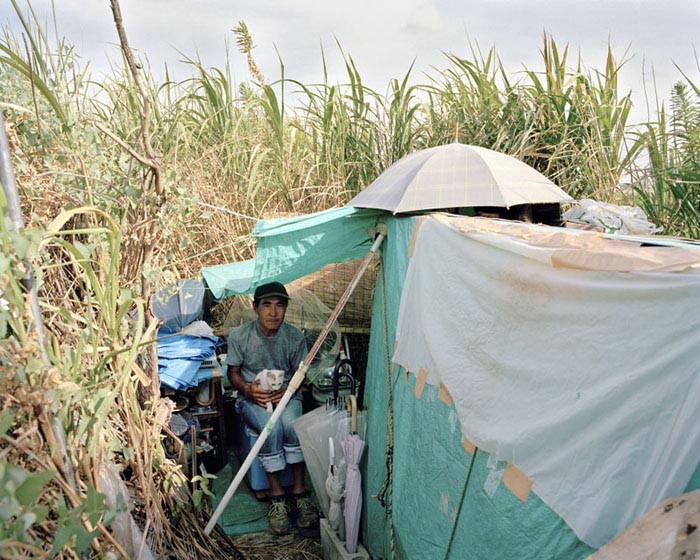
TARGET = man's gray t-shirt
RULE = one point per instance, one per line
(250, 349)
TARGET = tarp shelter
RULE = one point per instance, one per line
(546, 384)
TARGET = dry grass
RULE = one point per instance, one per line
(264, 546)
(92, 410)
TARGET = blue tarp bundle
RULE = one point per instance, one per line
(180, 357)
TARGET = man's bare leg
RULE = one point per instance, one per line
(298, 471)
(276, 489)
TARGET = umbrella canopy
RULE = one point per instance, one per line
(353, 447)
(457, 175)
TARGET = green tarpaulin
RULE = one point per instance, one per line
(290, 248)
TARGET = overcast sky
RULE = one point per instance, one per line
(385, 36)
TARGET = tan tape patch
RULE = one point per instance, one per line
(421, 378)
(444, 395)
(469, 447)
(517, 482)
(414, 235)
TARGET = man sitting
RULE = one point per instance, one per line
(269, 343)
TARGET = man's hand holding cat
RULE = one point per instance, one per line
(258, 395)
(276, 396)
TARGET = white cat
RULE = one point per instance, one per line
(270, 380)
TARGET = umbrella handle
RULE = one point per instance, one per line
(352, 409)
(337, 374)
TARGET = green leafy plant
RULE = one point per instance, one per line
(71, 529)
(19, 510)
(202, 484)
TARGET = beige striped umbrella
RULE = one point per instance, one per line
(454, 176)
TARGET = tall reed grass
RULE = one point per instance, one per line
(284, 146)
(72, 431)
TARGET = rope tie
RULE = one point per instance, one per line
(461, 501)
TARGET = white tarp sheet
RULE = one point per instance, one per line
(588, 381)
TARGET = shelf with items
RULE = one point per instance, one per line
(201, 408)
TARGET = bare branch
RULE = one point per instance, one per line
(135, 69)
(133, 153)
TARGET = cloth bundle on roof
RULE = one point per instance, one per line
(612, 218)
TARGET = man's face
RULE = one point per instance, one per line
(270, 312)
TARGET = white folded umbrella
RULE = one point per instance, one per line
(353, 447)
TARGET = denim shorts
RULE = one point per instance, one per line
(282, 444)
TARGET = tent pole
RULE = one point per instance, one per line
(9, 186)
(295, 382)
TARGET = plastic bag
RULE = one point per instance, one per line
(627, 220)
(313, 429)
(179, 304)
(123, 528)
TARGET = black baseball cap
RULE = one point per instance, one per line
(271, 289)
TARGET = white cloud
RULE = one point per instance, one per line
(385, 36)
(424, 19)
